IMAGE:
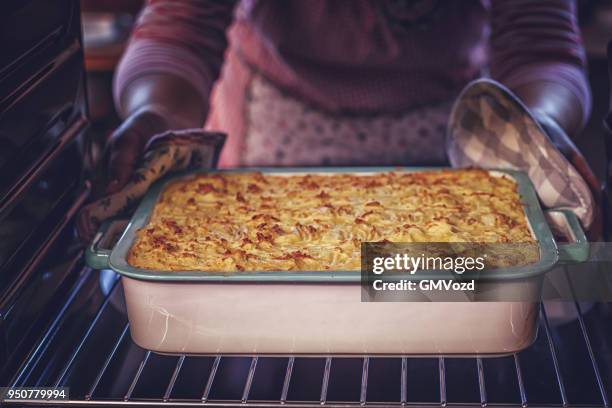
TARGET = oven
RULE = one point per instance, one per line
(63, 324)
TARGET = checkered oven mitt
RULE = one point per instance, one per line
(490, 127)
(167, 152)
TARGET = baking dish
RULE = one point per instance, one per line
(321, 312)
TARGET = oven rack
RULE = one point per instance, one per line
(570, 364)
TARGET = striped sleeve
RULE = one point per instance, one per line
(535, 41)
(185, 38)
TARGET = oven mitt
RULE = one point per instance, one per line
(490, 127)
(167, 152)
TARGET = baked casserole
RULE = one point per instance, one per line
(229, 222)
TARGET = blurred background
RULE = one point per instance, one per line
(107, 25)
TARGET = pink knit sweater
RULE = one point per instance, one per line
(363, 56)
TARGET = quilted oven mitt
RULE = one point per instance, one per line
(490, 127)
(167, 152)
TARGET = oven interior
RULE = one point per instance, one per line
(63, 324)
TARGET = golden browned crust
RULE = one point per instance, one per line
(253, 222)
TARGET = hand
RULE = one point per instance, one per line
(151, 104)
(125, 147)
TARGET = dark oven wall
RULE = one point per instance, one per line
(42, 116)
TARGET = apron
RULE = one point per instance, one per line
(266, 126)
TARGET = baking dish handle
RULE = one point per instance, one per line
(98, 252)
(566, 223)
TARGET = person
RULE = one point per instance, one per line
(339, 82)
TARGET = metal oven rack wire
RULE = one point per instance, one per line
(88, 348)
